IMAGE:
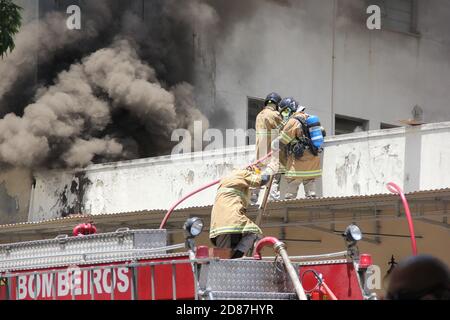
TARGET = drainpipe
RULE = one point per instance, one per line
(333, 69)
(280, 248)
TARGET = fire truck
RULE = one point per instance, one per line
(141, 265)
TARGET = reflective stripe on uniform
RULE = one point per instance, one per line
(265, 133)
(268, 132)
(304, 174)
(285, 138)
(234, 229)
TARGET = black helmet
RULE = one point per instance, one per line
(287, 107)
(288, 103)
(273, 98)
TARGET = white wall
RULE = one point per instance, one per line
(278, 48)
(15, 187)
(362, 163)
(417, 158)
(436, 173)
(132, 186)
(375, 75)
(382, 75)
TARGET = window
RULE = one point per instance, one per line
(397, 15)
(346, 125)
(255, 105)
(384, 126)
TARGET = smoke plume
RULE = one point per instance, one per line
(67, 97)
(114, 90)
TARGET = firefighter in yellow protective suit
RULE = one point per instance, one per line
(230, 227)
(268, 124)
(303, 163)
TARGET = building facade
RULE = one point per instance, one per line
(324, 54)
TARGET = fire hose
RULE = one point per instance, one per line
(280, 248)
(209, 185)
(394, 188)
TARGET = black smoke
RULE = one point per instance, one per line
(116, 89)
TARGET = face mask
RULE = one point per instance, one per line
(286, 113)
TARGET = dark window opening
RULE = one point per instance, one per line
(345, 125)
(255, 105)
(385, 126)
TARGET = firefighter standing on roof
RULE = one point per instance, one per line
(268, 123)
(303, 164)
(288, 107)
(230, 227)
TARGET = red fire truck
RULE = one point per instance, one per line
(140, 265)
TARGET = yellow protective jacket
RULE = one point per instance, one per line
(230, 207)
(268, 124)
(308, 166)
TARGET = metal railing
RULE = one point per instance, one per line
(314, 257)
(110, 252)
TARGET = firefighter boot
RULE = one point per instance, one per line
(245, 244)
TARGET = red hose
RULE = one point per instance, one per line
(392, 187)
(173, 207)
(84, 229)
(267, 241)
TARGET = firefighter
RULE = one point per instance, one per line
(230, 227)
(287, 107)
(303, 162)
(268, 124)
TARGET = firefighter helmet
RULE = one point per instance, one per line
(287, 107)
(273, 98)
